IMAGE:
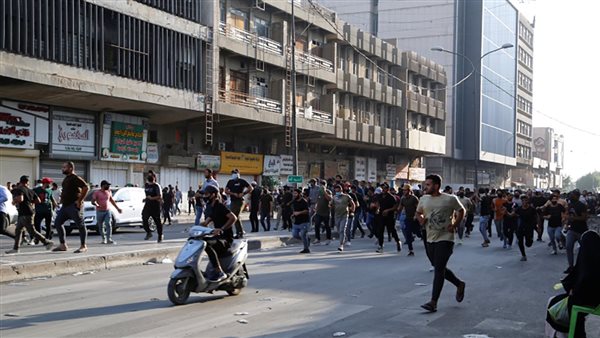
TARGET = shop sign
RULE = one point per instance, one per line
(390, 171)
(212, 162)
(416, 174)
(372, 169)
(152, 152)
(360, 168)
(248, 164)
(287, 165)
(16, 129)
(272, 166)
(124, 138)
(73, 134)
(41, 117)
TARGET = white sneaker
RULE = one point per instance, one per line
(341, 248)
(459, 242)
(348, 243)
(431, 269)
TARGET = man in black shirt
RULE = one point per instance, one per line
(538, 201)
(554, 213)
(254, 204)
(301, 220)
(387, 209)
(222, 220)
(24, 198)
(152, 208)
(191, 201)
(286, 208)
(527, 222)
(409, 204)
(485, 214)
(577, 224)
(266, 209)
(237, 188)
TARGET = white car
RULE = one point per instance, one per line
(11, 220)
(129, 199)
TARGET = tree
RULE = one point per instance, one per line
(568, 183)
(588, 182)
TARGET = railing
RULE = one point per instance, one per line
(244, 99)
(266, 44)
(316, 61)
(316, 115)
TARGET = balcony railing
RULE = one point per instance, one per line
(316, 115)
(315, 61)
(244, 99)
(261, 42)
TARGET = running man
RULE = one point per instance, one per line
(527, 224)
(440, 214)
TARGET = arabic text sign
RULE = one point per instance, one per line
(16, 129)
(272, 165)
(73, 134)
(248, 164)
(127, 138)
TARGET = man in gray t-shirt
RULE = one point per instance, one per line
(342, 204)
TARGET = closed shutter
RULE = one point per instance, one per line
(12, 168)
(113, 172)
(53, 170)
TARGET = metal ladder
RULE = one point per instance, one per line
(288, 96)
(209, 97)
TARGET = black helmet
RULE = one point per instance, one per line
(210, 189)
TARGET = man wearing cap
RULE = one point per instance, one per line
(100, 200)
(236, 189)
(24, 198)
(74, 190)
(43, 210)
(254, 206)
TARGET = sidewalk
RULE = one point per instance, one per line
(36, 262)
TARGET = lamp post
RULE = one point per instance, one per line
(473, 70)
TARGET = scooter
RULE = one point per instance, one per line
(188, 276)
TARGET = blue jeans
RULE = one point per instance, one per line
(370, 223)
(103, 220)
(300, 231)
(73, 213)
(499, 228)
(356, 223)
(483, 222)
(198, 214)
(555, 233)
(410, 229)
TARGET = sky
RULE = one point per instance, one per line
(566, 77)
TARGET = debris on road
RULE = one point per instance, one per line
(81, 273)
(12, 315)
(339, 334)
(41, 278)
(149, 263)
(420, 284)
(167, 260)
(498, 267)
(18, 284)
(242, 321)
(154, 299)
(266, 299)
(472, 335)
(240, 314)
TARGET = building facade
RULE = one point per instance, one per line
(125, 87)
(489, 114)
(548, 158)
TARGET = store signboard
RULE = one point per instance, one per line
(287, 165)
(416, 174)
(212, 162)
(73, 134)
(247, 164)
(124, 138)
(372, 170)
(152, 151)
(360, 168)
(16, 129)
(272, 165)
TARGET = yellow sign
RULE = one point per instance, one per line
(248, 164)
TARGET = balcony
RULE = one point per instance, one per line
(246, 100)
(314, 61)
(314, 115)
(246, 37)
(427, 142)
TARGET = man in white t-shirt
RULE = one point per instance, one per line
(441, 215)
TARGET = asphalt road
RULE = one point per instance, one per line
(358, 292)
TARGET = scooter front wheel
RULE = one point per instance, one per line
(179, 290)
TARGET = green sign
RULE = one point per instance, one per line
(127, 138)
(295, 179)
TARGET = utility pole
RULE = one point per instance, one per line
(294, 124)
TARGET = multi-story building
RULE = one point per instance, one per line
(548, 158)
(489, 114)
(179, 86)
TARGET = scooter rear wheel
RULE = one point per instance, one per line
(234, 292)
(178, 290)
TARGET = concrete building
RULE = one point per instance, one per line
(489, 115)
(123, 87)
(548, 158)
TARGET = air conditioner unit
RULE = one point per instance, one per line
(222, 146)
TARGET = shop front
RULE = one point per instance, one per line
(18, 155)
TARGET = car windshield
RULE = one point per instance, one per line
(88, 197)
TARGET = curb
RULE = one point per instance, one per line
(50, 268)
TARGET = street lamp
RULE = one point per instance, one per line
(478, 70)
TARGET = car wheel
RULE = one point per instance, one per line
(8, 229)
(151, 224)
(113, 224)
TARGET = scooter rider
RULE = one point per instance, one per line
(222, 219)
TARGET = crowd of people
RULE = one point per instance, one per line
(438, 217)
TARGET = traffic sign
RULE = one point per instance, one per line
(295, 179)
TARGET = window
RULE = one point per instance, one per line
(525, 58)
(523, 128)
(523, 152)
(525, 34)
(188, 9)
(258, 87)
(525, 82)
(239, 19)
(261, 27)
(524, 105)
